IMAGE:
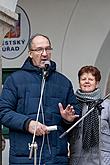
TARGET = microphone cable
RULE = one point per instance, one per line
(40, 102)
(40, 157)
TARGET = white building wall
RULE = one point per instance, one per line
(9, 4)
(77, 30)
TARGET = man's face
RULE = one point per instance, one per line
(40, 51)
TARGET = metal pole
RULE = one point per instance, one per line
(74, 125)
(33, 145)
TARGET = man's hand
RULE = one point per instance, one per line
(68, 113)
(40, 129)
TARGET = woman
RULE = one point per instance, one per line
(88, 145)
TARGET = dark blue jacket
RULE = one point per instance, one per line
(19, 103)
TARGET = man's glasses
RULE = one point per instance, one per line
(40, 50)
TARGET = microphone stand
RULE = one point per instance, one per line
(95, 105)
(34, 145)
(98, 105)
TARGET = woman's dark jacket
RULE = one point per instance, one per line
(19, 103)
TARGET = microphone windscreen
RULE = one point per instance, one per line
(47, 64)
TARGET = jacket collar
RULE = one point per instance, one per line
(28, 66)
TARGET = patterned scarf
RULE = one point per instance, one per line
(90, 136)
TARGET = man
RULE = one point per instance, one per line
(20, 112)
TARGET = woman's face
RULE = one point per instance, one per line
(87, 82)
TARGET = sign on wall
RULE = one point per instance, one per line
(16, 40)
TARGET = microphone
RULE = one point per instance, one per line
(46, 69)
(47, 64)
(99, 101)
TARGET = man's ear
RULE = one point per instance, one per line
(30, 54)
